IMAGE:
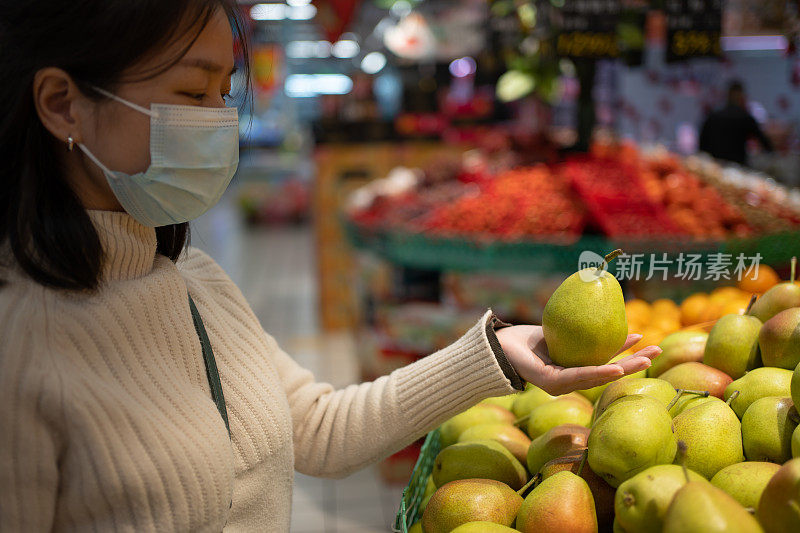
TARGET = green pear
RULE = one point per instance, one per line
(697, 376)
(527, 401)
(430, 488)
(779, 506)
(732, 345)
(416, 528)
(633, 434)
(796, 443)
(483, 527)
(556, 442)
(470, 500)
(779, 340)
(745, 482)
(594, 393)
(676, 348)
(778, 298)
(485, 459)
(758, 383)
(584, 321)
(655, 388)
(767, 428)
(700, 507)
(562, 502)
(506, 402)
(514, 439)
(616, 528)
(602, 492)
(642, 501)
(479, 414)
(563, 410)
(713, 437)
(688, 400)
(578, 397)
(794, 386)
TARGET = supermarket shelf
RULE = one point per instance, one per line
(460, 254)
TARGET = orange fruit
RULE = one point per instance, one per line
(723, 295)
(760, 283)
(713, 311)
(665, 307)
(735, 307)
(650, 337)
(637, 311)
(693, 309)
(667, 324)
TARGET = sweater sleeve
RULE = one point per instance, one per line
(28, 441)
(339, 431)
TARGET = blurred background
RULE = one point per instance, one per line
(406, 164)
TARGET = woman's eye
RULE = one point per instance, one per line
(196, 96)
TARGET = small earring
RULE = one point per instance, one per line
(70, 143)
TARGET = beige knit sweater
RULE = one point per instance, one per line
(106, 417)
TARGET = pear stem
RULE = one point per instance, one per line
(584, 455)
(753, 299)
(522, 420)
(531, 481)
(703, 393)
(609, 257)
(732, 397)
(680, 392)
(794, 266)
(682, 459)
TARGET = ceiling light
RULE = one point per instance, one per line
(373, 62)
(306, 12)
(268, 12)
(346, 49)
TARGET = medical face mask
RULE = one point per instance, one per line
(194, 153)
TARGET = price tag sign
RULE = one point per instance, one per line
(588, 29)
(693, 28)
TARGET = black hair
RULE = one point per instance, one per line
(735, 86)
(42, 222)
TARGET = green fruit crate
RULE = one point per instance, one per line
(487, 255)
(412, 495)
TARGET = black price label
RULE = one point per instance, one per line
(579, 44)
(588, 29)
(694, 28)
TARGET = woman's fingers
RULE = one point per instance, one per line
(586, 377)
(632, 339)
(640, 360)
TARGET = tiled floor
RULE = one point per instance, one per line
(275, 270)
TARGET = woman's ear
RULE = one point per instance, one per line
(57, 99)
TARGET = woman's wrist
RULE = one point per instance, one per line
(492, 325)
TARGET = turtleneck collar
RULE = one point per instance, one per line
(130, 247)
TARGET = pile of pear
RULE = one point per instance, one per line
(608, 459)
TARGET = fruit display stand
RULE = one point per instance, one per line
(413, 493)
(749, 232)
(463, 254)
(340, 169)
(540, 218)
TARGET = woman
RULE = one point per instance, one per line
(137, 390)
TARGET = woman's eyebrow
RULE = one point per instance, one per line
(205, 64)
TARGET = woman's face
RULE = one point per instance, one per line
(120, 136)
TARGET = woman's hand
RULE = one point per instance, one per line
(526, 350)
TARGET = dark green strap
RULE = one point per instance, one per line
(211, 365)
